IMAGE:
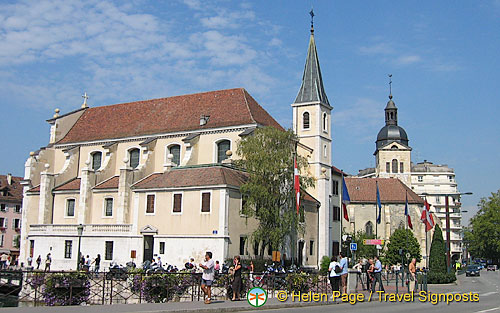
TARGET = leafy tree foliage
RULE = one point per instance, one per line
(364, 251)
(484, 237)
(405, 240)
(268, 156)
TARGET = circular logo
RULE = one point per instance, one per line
(257, 297)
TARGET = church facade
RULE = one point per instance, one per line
(152, 178)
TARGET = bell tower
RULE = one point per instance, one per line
(312, 125)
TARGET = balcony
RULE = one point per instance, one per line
(71, 229)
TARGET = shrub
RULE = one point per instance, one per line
(440, 278)
(325, 263)
(66, 289)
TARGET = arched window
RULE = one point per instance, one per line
(134, 157)
(222, 147)
(394, 147)
(369, 228)
(395, 166)
(401, 167)
(96, 160)
(325, 122)
(175, 150)
(305, 120)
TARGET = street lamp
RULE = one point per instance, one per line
(447, 213)
(79, 228)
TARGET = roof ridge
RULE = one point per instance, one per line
(246, 104)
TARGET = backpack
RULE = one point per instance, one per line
(338, 270)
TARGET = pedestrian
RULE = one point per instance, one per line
(344, 265)
(237, 278)
(87, 263)
(30, 260)
(3, 260)
(160, 264)
(369, 274)
(38, 262)
(48, 262)
(377, 275)
(207, 277)
(413, 278)
(217, 266)
(97, 263)
(252, 268)
(335, 271)
(359, 278)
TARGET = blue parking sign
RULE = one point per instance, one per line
(354, 246)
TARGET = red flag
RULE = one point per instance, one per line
(296, 185)
(346, 216)
(426, 217)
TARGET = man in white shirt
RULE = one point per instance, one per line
(377, 276)
(208, 276)
(334, 276)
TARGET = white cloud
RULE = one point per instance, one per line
(407, 59)
(362, 117)
(378, 48)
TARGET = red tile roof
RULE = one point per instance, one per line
(14, 190)
(73, 184)
(336, 170)
(110, 183)
(229, 107)
(392, 190)
(193, 176)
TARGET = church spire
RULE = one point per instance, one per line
(391, 111)
(312, 88)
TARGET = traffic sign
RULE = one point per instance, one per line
(354, 246)
(373, 242)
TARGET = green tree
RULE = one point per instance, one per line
(267, 156)
(484, 235)
(404, 240)
(364, 251)
(437, 256)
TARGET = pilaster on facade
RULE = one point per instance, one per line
(86, 184)
(124, 183)
(46, 199)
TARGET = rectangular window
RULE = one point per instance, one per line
(178, 202)
(335, 187)
(255, 248)
(70, 207)
(108, 207)
(18, 208)
(311, 247)
(401, 167)
(450, 178)
(205, 202)
(108, 251)
(243, 203)
(2, 237)
(16, 224)
(336, 213)
(2, 221)
(150, 204)
(68, 247)
(32, 248)
(387, 167)
(242, 245)
(3, 207)
(162, 247)
(420, 179)
(438, 199)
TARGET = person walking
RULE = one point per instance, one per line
(237, 278)
(377, 275)
(97, 263)
(344, 265)
(412, 268)
(48, 262)
(207, 277)
(335, 271)
(38, 262)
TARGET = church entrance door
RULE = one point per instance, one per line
(148, 247)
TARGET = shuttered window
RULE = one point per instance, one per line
(205, 202)
(178, 202)
(150, 204)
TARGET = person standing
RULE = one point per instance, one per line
(97, 263)
(344, 265)
(359, 269)
(207, 277)
(377, 275)
(237, 278)
(38, 262)
(412, 268)
(217, 267)
(3, 261)
(48, 262)
(333, 268)
(30, 260)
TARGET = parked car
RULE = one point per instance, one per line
(491, 267)
(473, 270)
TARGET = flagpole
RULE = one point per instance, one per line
(407, 210)
(376, 218)
(341, 207)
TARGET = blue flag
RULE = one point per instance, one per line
(379, 204)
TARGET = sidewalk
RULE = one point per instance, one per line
(171, 307)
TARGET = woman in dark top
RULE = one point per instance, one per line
(237, 278)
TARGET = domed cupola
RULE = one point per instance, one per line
(391, 131)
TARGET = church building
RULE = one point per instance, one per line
(152, 178)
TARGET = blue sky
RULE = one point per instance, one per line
(443, 57)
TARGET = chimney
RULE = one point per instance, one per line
(9, 179)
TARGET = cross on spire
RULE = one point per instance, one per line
(312, 19)
(85, 97)
(390, 86)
